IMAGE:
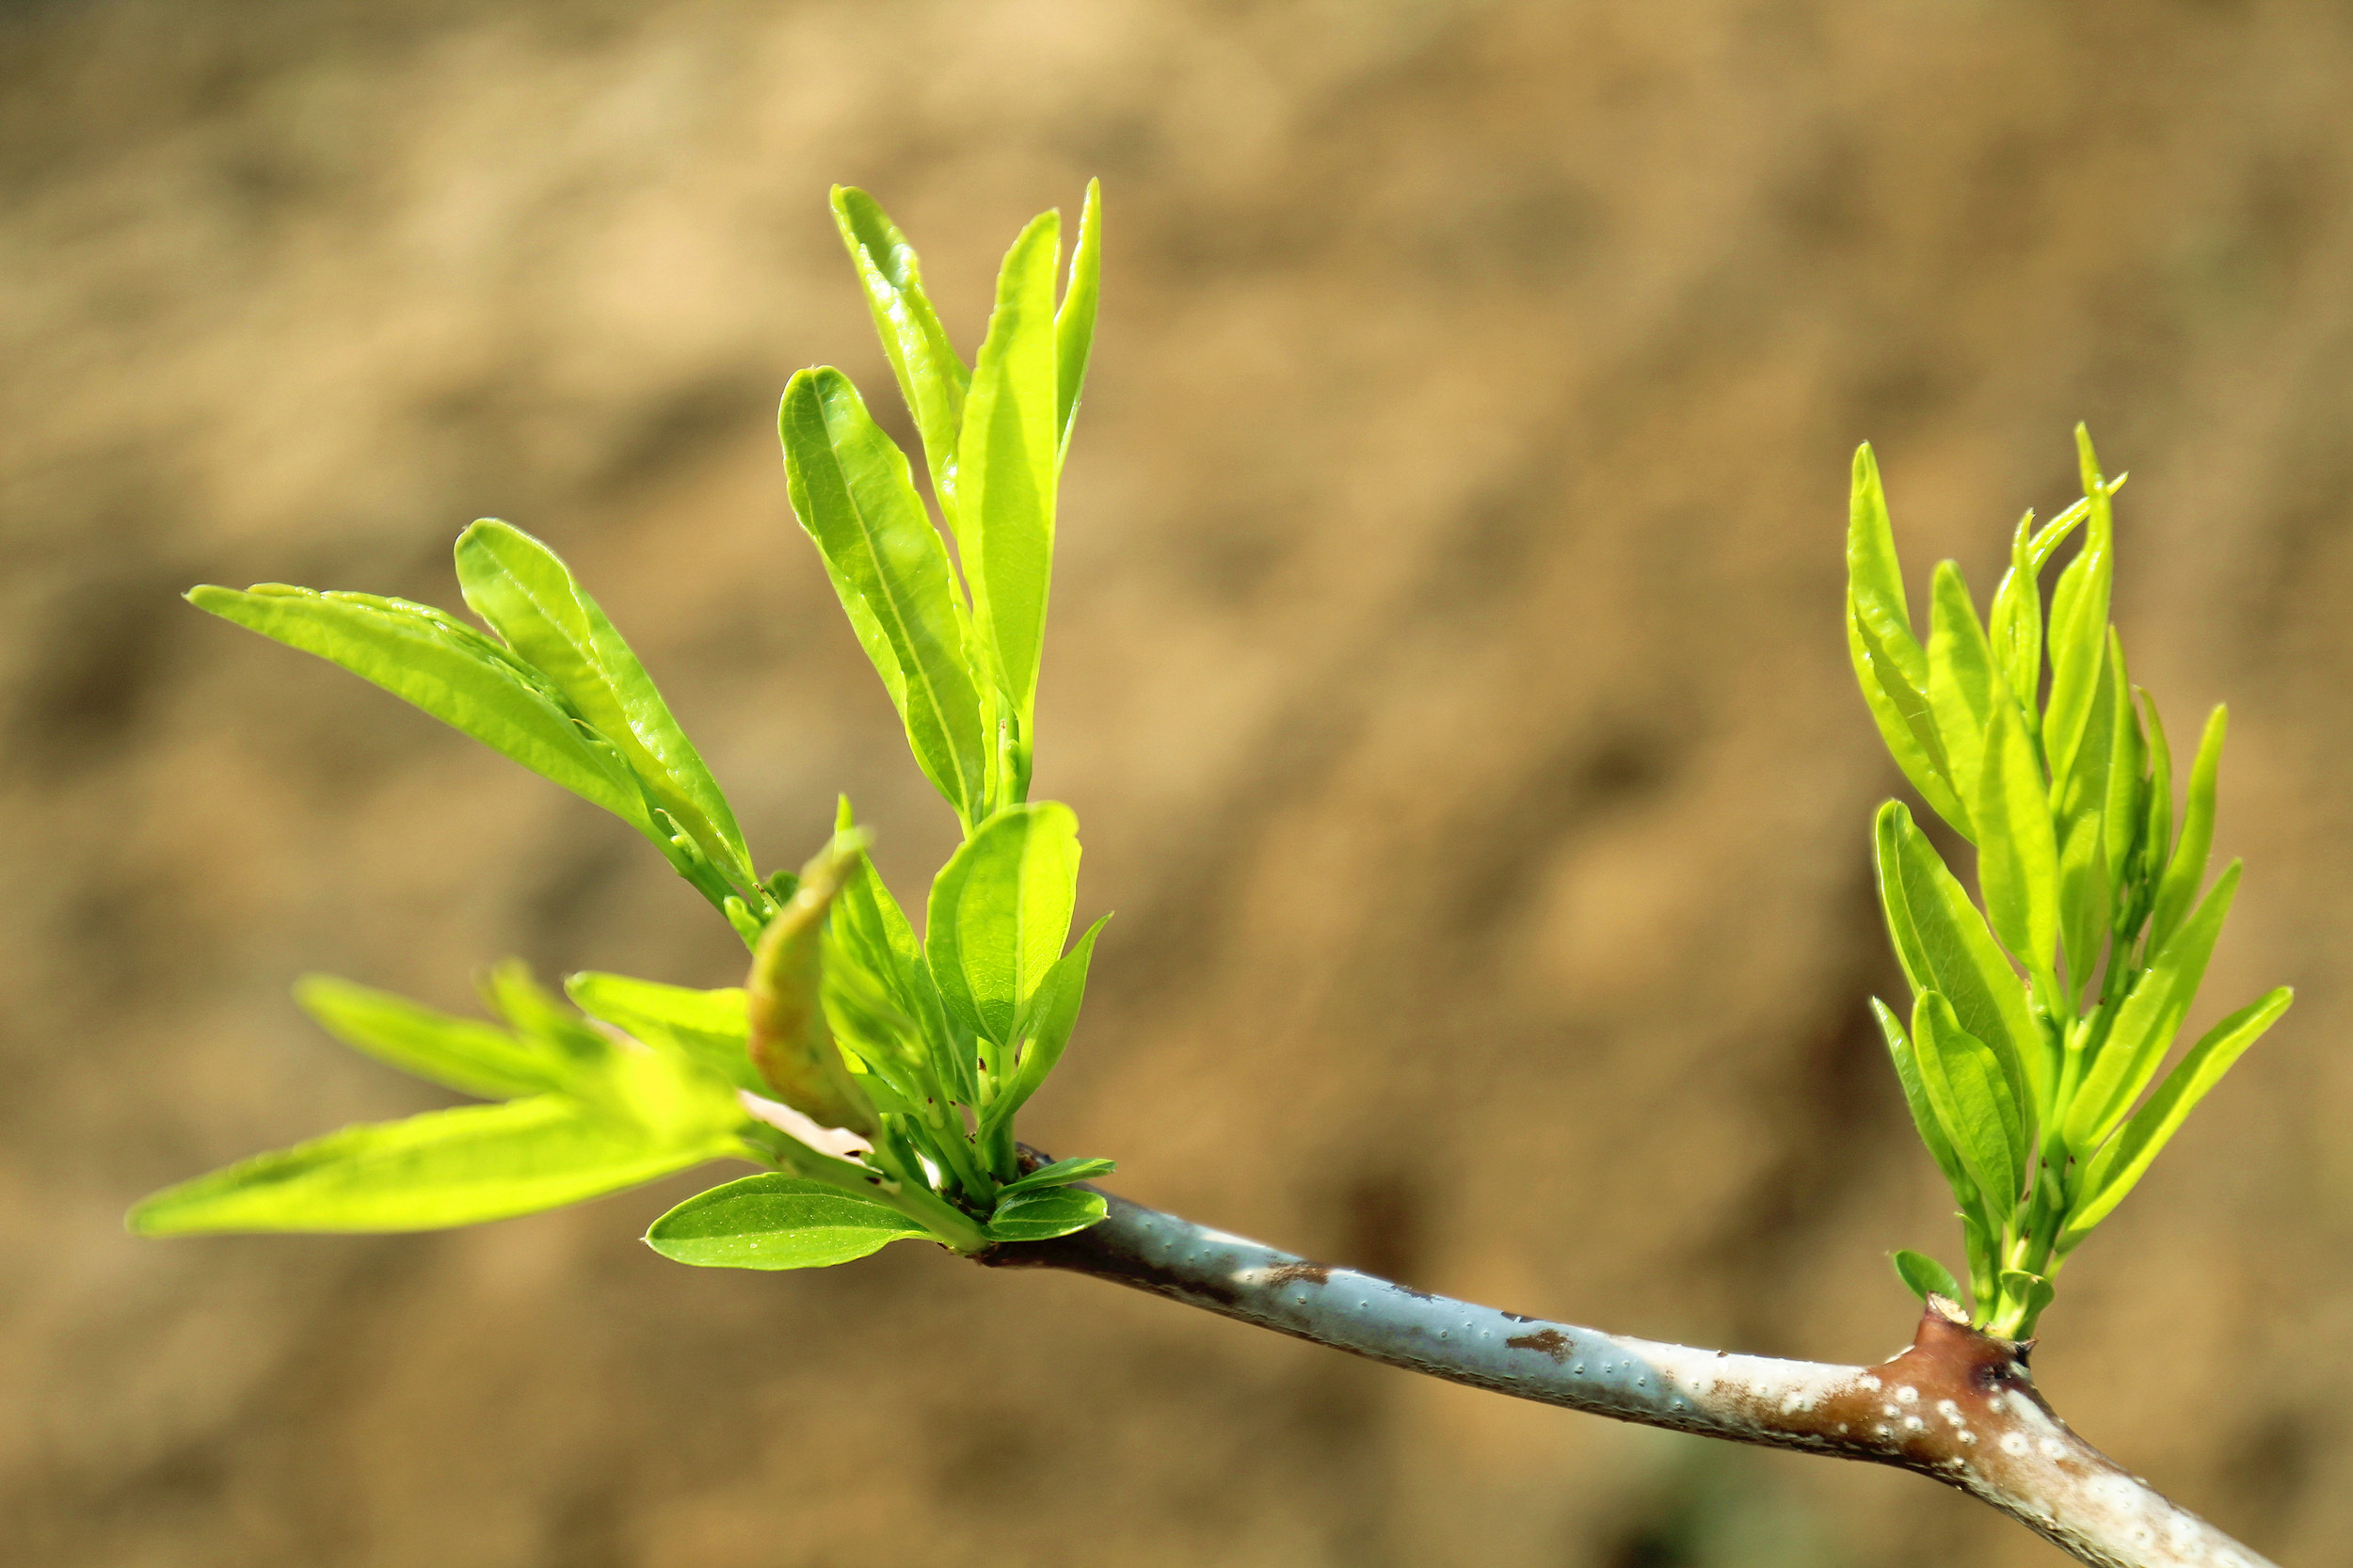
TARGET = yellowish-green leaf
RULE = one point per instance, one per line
(453, 673)
(851, 488)
(1074, 323)
(445, 1168)
(2120, 1163)
(2186, 871)
(2017, 856)
(530, 598)
(2145, 1024)
(464, 1054)
(931, 376)
(1008, 460)
(1000, 914)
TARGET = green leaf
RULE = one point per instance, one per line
(1926, 1275)
(2032, 1291)
(2014, 626)
(1888, 661)
(1074, 323)
(1007, 464)
(2079, 622)
(706, 1028)
(1972, 1099)
(2186, 871)
(1041, 1216)
(2087, 902)
(1000, 914)
(2145, 1024)
(516, 997)
(529, 598)
(790, 1039)
(1044, 1027)
(464, 1054)
(1901, 710)
(2052, 533)
(867, 920)
(443, 1168)
(2157, 835)
(775, 1221)
(851, 488)
(1060, 1174)
(1923, 1120)
(2121, 816)
(1944, 947)
(2124, 1159)
(1875, 578)
(932, 377)
(453, 673)
(2017, 857)
(1961, 681)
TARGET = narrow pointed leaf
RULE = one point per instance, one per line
(2157, 834)
(1961, 680)
(1041, 1216)
(2079, 622)
(530, 598)
(1043, 1031)
(2014, 626)
(777, 1221)
(1901, 713)
(2087, 904)
(2186, 871)
(1875, 578)
(1972, 1099)
(1074, 323)
(1000, 914)
(2046, 539)
(2121, 1162)
(932, 377)
(2017, 856)
(1956, 956)
(707, 1028)
(1931, 1131)
(451, 671)
(1007, 464)
(2150, 1018)
(464, 1054)
(1061, 1172)
(445, 1168)
(851, 491)
(2122, 817)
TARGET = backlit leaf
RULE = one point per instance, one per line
(1000, 914)
(453, 673)
(851, 488)
(443, 1168)
(931, 376)
(2124, 1159)
(464, 1054)
(1008, 461)
(530, 598)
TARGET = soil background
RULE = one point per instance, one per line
(1446, 668)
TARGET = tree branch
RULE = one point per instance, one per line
(1958, 1406)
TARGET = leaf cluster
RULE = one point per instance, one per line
(875, 1076)
(2042, 1013)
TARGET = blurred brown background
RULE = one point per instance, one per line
(1446, 668)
